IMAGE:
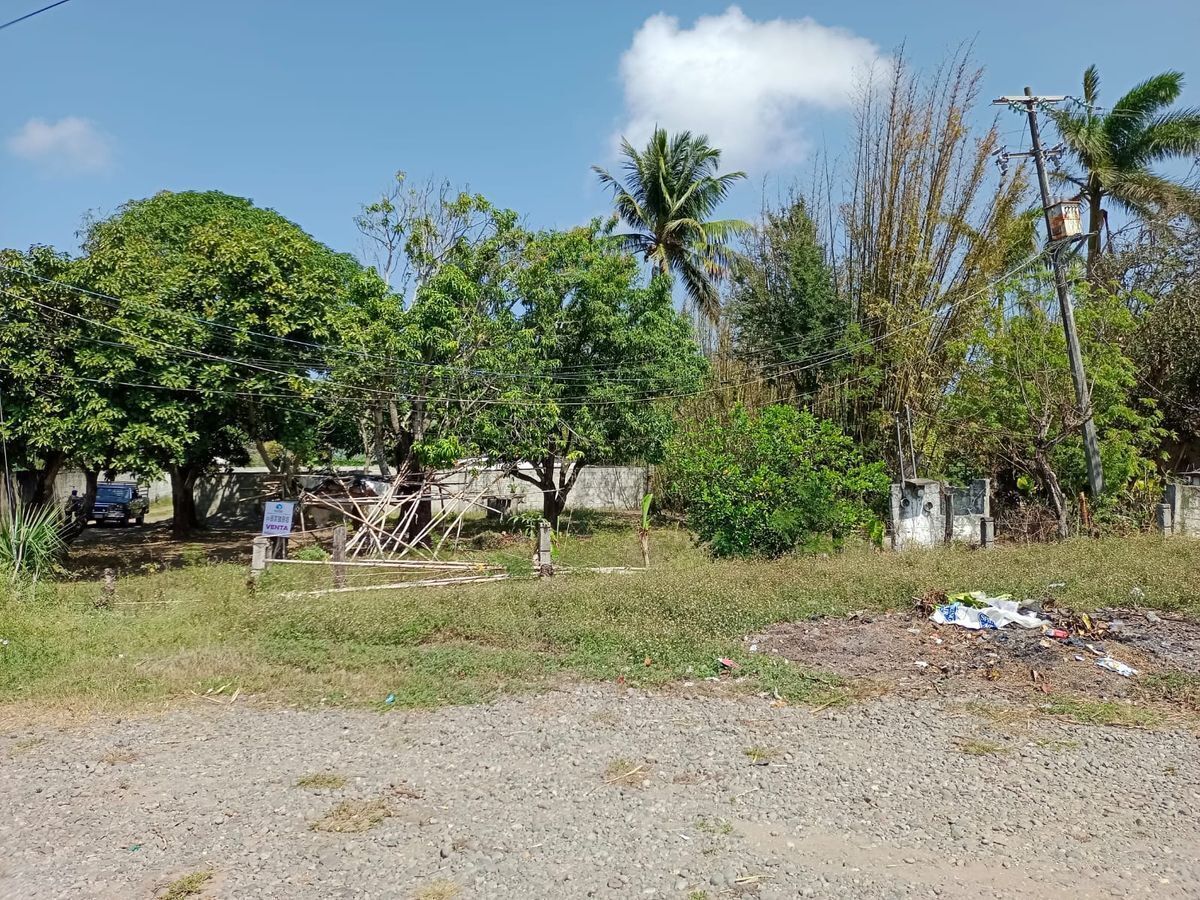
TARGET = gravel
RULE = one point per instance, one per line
(518, 799)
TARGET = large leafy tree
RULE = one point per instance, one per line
(785, 304)
(1116, 152)
(1012, 411)
(666, 198)
(611, 358)
(217, 308)
(59, 404)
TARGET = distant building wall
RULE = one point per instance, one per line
(238, 496)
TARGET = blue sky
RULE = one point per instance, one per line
(308, 107)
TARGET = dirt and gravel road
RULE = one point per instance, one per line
(598, 791)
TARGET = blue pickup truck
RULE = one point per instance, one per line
(120, 502)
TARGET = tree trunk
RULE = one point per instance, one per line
(91, 483)
(1057, 499)
(552, 504)
(43, 492)
(183, 500)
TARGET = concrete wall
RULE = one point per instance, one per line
(1184, 500)
(237, 497)
(919, 510)
(74, 480)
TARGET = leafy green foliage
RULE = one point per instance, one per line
(669, 194)
(609, 356)
(31, 542)
(785, 304)
(1117, 149)
(1013, 412)
(765, 484)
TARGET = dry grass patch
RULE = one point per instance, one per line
(116, 757)
(438, 890)
(191, 885)
(624, 772)
(353, 817)
(978, 747)
(1103, 712)
(322, 781)
(24, 745)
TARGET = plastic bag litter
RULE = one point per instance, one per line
(982, 611)
(1113, 665)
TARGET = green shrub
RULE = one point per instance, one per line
(31, 542)
(194, 555)
(767, 483)
(313, 553)
(488, 540)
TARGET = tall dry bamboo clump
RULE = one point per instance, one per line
(926, 226)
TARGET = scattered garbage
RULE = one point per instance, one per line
(390, 699)
(1058, 633)
(921, 664)
(726, 663)
(976, 610)
(1054, 585)
(1113, 665)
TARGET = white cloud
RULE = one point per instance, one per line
(745, 84)
(69, 146)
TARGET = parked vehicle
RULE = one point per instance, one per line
(121, 502)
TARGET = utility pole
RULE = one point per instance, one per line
(1091, 445)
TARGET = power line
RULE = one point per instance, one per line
(32, 14)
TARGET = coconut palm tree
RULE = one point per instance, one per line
(669, 191)
(1116, 151)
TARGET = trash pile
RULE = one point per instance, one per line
(977, 611)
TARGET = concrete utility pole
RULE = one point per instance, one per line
(1091, 445)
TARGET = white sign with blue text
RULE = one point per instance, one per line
(277, 518)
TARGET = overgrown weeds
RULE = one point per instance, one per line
(179, 632)
(322, 781)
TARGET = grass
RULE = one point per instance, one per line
(438, 890)
(188, 886)
(117, 757)
(760, 756)
(1174, 687)
(713, 826)
(353, 817)
(979, 747)
(624, 772)
(183, 631)
(322, 781)
(1102, 712)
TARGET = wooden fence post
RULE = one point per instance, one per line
(339, 556)
(109, 591)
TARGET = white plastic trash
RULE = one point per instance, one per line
(1115, 666)
(998, 613)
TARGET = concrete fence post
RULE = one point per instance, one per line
(259, 556)
(542, 556)
(1164, 518)
(987, 532)
(339, 556)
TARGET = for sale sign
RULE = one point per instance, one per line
(277, 518)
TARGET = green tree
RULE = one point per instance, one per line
(1013, 412)
(668, 195)
(57, 407)
(1116, 152)
(763, 484)
(218, 307)
(785, 304)
(610, 359)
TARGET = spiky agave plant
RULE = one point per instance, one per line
(31, 542)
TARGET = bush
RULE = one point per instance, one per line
(31, 542)
(312, 553)
(767, 483)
